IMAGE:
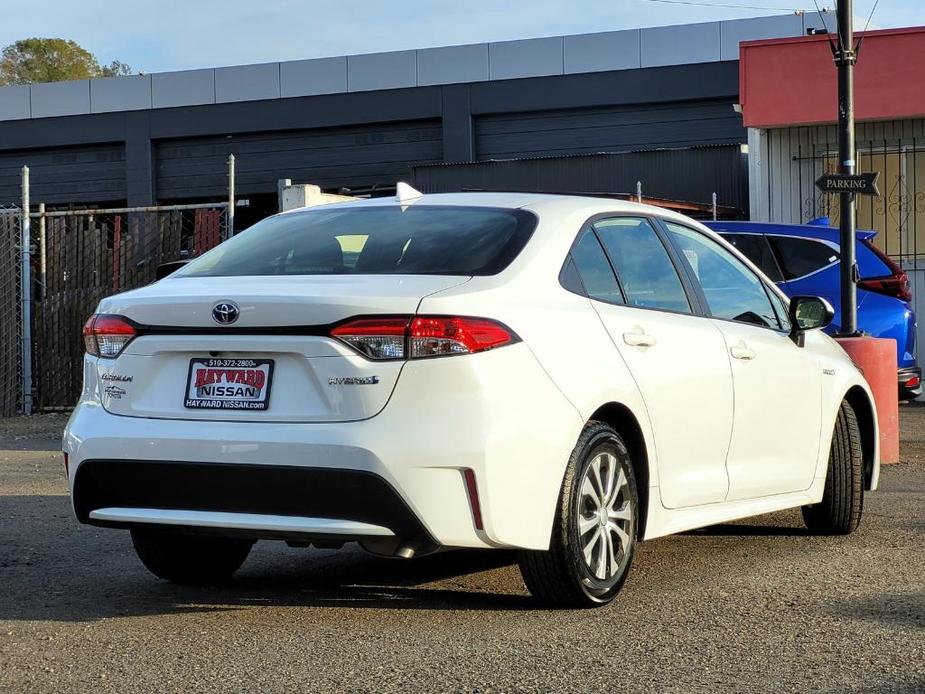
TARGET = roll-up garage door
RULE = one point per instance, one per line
(611, 129)
(354, 157)
(80, 175)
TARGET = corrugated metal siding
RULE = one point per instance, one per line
(332, 157)
(576, 131)
(692, 174)
(94, 174)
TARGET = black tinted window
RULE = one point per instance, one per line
(415, 240)
(596, 273)
(755, 248)
(800, 257)
(647, 275)
(732, 290)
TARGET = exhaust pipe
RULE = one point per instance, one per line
(406, 551)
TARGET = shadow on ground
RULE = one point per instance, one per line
(58, 570)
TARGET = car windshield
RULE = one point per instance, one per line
(413, 240)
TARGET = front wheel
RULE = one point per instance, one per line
(189, 559)
(839, 512)
(594, 533)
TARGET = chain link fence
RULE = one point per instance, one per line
(10, 311)
(86, 255)
(55, 267)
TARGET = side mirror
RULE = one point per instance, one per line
(808, 313)
(165, 269)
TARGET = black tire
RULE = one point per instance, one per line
(190, 559)
(560, 576)
(839, 512)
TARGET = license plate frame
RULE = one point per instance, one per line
(226, 402)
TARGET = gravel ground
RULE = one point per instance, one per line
(751, 606)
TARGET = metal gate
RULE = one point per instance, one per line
(86, 255)
(791, 159)
(10, 311)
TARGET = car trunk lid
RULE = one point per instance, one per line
(274, 362)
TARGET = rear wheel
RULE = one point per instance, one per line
(594, 533)
(189, 559)
(839, 512)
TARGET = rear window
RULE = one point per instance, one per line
(877, 264)
(800, 257)
(414, 240)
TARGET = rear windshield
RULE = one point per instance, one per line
(414, 240)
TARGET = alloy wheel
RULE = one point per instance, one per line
(605, 517)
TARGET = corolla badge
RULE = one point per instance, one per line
(225, 312)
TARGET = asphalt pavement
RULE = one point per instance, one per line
(755, 606)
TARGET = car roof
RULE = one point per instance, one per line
(535, 202)
(817, 231)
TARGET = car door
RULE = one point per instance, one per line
(778, 385)
(677, 358)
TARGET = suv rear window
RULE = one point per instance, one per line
(411, 240)
(800, 257)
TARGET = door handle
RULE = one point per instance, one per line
(639, 339)
(740, 351)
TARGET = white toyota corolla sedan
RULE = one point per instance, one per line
(561, 375)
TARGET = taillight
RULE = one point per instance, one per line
(376, 338)
(895, 284)
(106, 335)
(892, 285)
(419, 337)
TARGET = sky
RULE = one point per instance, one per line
(161, 35)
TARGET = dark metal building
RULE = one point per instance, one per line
(363, 122)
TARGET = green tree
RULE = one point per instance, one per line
(52, 60)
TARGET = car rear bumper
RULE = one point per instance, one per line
(496, 414)
(910, 383)
(262, 500)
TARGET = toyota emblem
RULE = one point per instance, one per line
(225, 313)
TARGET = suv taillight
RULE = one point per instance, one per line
(892, 285)
(419, 337)
(107, 335)
(895, 285)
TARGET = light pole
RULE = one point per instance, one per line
(845, 58)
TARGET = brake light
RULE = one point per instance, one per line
(892, 285)
(895, 284)
(107, 335)
(419, 337)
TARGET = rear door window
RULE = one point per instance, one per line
(646, 273)
(800, 257)
(755, 247)
(594, 269)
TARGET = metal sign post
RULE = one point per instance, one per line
(845, 58)
(229, 229)
(26, 295)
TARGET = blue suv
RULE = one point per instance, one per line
(803, 259)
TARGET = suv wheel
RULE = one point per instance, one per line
(594, 533)
(189, 559)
